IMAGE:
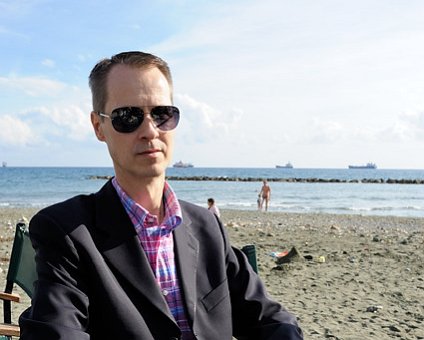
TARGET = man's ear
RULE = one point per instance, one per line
(97, 126)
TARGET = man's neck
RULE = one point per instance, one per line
(148, 192)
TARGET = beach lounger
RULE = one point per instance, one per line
(21, 272)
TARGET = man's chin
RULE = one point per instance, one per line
(156, 170)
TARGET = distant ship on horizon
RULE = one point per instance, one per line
(286, 166)
(181, 164)
(366, 166)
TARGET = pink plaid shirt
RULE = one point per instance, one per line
(158, 244)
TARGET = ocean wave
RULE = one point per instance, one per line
(24, 204)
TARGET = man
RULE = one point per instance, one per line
(266, 194)
(131, 261)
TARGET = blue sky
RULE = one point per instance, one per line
(320, 83)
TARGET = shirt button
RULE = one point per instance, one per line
(165, 292)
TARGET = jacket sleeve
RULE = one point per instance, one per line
(59, 306)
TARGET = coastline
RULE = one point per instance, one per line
(369, 286)
(339, 191)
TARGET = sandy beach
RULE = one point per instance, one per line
(355, 277)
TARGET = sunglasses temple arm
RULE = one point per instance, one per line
(166, 120)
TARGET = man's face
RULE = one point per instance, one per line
(146, 152)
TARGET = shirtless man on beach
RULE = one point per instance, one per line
(266, 194)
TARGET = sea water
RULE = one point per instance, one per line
(39, 187)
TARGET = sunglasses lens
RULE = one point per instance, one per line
(166, 118)
(127, 119)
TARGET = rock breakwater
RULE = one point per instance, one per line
(289, 180)
(297, 180)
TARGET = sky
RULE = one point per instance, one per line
(259, 83)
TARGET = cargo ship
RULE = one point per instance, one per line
(366, 166)
(286, 166)
(181, 164)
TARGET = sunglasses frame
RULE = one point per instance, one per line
(123, 127)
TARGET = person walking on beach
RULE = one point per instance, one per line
(259, 201)
(212, 207)
(131, 261)
(265, 193)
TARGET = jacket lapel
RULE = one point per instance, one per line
(186, 248)
(122, 251)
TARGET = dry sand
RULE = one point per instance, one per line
(371, 285)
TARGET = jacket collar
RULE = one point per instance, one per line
(119, 244)
(121, 248)
(186, 248)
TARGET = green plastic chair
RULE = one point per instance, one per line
(250, 251)
(21, 272)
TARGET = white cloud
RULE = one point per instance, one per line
(398, 132)
(407, 127)
(324, 132)
(416, 119)
(353, 66)
(203, 123)
(69, 121)
(48, 63)
(87, 57)
(32, 86)
(46, 126)
(413, 122)
(17, 5)
(15, 132)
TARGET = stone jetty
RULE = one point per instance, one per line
(296, 180)
(289, 180)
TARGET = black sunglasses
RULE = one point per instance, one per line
(128, 119)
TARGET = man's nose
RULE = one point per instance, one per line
(148, 129)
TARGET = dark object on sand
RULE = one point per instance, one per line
(292, 255)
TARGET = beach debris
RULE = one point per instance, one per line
(105, 177)
(292, 255)
(330, 335)
(321, 259)
(376, 238)
(278, 254)
(334, 229)
(394, 328)
(24, 220)
(374, 309)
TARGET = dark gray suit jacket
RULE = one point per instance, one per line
(95, 281)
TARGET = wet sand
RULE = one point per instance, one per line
(356, 277)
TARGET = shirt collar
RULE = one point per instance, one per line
(173, 214)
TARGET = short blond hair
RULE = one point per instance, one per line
(100, 72)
